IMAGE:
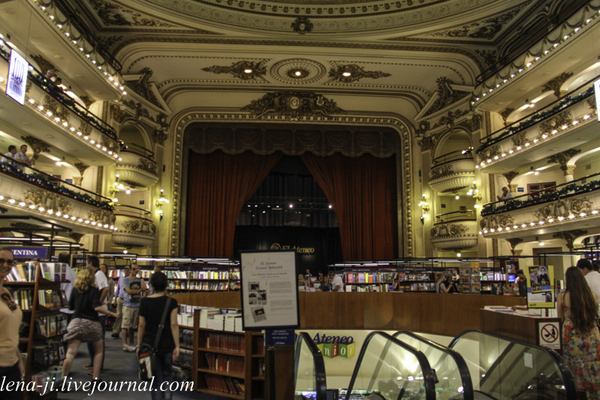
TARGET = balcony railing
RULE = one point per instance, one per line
(455, 215)
(455, 235)
(452, 171)
(134, 228)
(582, 93)
(550, 194)
(137, 167)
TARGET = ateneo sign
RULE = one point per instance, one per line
(334, 346)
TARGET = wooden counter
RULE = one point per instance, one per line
(440, 314)
(524, 329)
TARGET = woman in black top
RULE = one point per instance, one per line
(151, 311)
(85, 324)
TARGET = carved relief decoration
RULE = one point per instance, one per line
(496, 221)
(519, 138)
(43, 64)
(570, 236)
(504, 114)
(56, 108)
(85, 127)
(302, 25)
(102, 217)
(109, 41)
(556, 83)
(448, 119)
(441, 171)
(514, 242)
(489, 153)
(81, 167)
(486, 29)
(87, 100)
(118, 113)
(447, 95)
(142, 86)
(244, 70)
(448, 230)
(48, 200)
(489, 56)
(161, 133)
(510, 176)
(114, 14)
(36, 145)
(139, 227)
(147, 165)
(76, 236)
(352, 73)
(555, 122)
(293, 105)
(562, 209)
(563, 158)
(109, 143)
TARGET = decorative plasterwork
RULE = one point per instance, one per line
(570, 236)
(81, 167)
(297, 71)
(446, 96)
(486, 29)
(493, 222)
(50, 201)
(489, 56)
(556, 83)
(504, 114)
(293, 104)
(245, 70)
(103, 217)
(352, 73)
(36, 145)
(134, 232)
(510, 176)
(452, 182)
(454, 235)
(56, 108)
(563, 118)
(142, 85)
(302, 25)
(343, 18)
(139, 227)
(446, 230)
(563, 158)
(113, 14)
(405, 173)
(490, 153)
(87, 100)
(563, 209)
(513, 243)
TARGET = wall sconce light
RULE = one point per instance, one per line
(160, 202)
(423, 204)
(473, 191)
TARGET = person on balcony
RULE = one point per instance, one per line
(23, 158)
(505, 194)
(10, 155)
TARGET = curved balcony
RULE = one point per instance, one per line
(137, 167)
(134, 229)
(455, 234)
(452, 171)
(567, 123)
(29, 191)
(570, 206)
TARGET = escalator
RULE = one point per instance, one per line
(476, 366)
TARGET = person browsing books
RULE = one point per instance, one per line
(11, 362)
(133, 287)
(102, 284)
(118, 302)
(150, 312)
(448, 286)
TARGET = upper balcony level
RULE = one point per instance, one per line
(452, 171)
(565, 124)
(28, 191)
(135, 228)
(568, 207)
(56, 118)
(56, 32)
(455, 230)
(566, 42)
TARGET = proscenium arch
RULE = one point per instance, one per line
(181, 121)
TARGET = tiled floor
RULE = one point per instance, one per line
(118, 366)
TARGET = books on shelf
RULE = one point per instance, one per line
(52, 299)
(228, 342)
(52, 325)
(24, 298)
(224, 384)
(186, 358)
(224, 363)
(23, 272)
(55, 272)
(209, 274)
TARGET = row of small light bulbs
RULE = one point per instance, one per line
(562, 128)
(114, 79)
(533, 224)
(58, 214)
(71, 128)
(529, 64)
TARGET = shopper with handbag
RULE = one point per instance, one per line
(158, 333)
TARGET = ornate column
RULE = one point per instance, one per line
(563, 159)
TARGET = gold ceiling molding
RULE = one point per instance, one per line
(37, 145)
(113, 14)
(555, 84)
(181, 122)
(244, 70)
(293, 105)
(353, 73)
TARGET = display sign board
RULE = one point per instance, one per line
(269, 290)
(30, 252)
(549, 334)
(540, 290)
(280, 337)
(16, 84)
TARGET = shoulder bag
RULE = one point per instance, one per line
(147, 354)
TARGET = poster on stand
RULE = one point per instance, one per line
(269, 290)
(540, 291)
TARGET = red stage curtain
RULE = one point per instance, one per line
(218, 186)
(362, 191)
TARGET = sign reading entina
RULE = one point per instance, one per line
(30, 252)
(299, 250)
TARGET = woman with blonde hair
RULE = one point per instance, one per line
(578, 309)
(85, 324)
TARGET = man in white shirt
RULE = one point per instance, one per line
(102, 284)
(24, 158)
(592, 277)
(10, 155)
(337, 285)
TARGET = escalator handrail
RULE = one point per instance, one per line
(571, 392)
(458, 359)
(428, 374)
(320, 375)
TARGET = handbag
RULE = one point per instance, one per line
(147, 354)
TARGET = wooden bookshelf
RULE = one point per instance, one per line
(230, 367)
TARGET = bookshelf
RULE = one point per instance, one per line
(228, 364)
(207, 278)
(40, 299)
